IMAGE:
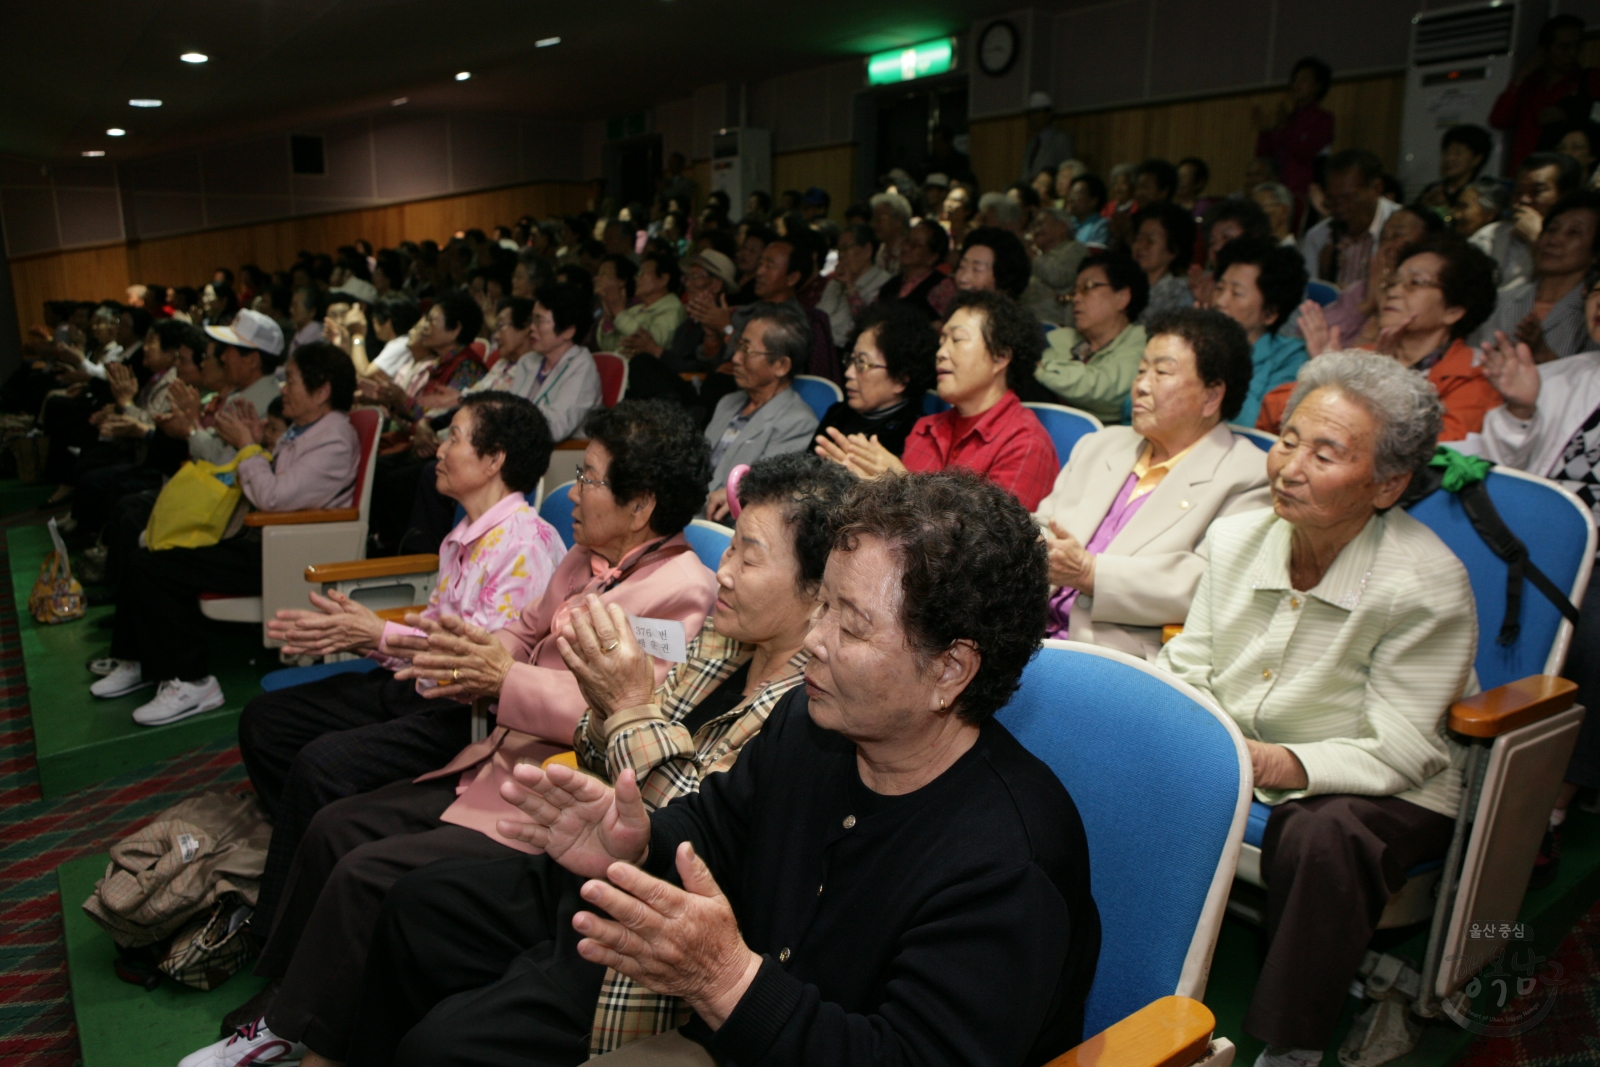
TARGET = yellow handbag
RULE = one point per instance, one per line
(196, 504)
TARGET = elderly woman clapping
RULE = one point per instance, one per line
(887, 848)
(1129, 510)
(749, 655)
(1336, 630)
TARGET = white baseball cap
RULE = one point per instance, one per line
(250, 329)
(363, 291)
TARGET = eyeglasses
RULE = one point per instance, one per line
(861, 365)
(1085, 288)
(586, 482)
(1411, 282)
(748, 349)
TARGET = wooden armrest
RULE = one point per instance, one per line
(572, 444)
(692, 375)
(388, 567)
(1507, 707)
(1170, 1032)
(399, 614)
(568, 758)
(1171, 630)
(300, 518)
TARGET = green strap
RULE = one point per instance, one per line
(1459, 471)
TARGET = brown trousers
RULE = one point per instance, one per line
(1331, 863)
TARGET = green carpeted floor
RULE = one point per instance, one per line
(81, 740)
(1550, 912)
(16, 498)
(121, 1025)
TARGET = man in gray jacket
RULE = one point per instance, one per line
(764, 416)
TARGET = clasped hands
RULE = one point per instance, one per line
(239, 424)
(1275, 767)
(859, 454)
(679, 942)
(599, 648)
(338, 625)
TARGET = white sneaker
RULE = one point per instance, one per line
(103, 666)
(178, 700)
(122, 679)
(249, 1046)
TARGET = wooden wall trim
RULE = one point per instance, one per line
(103, 272)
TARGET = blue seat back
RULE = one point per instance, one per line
(1065, 426)
(557, 511)
(1559, 533)
(272, 681)
(931, 404)
(1157, 779)
(820, 393)
(709, 541)
(1260, 438)
(1321, 292)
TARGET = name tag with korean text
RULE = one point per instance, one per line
(661, 638)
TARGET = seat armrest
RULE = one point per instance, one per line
(399, 614)
(1171, 630)
(1170, 1032)
(387, 567)
(1515, 704)
(301, 518)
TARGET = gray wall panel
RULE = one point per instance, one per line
(30, 217)
(160, 214)
(1100, 55)
(88, 216)
(1349, 35)
(251, 168)
(483, 151)
(413, 157)
(1219, 44)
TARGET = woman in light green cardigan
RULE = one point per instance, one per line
(1337, 631)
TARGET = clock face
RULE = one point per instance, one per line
(998, 47)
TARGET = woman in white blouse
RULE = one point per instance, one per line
(1336, 630)
(1550, 426)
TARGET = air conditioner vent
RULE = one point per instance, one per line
(1456, 35)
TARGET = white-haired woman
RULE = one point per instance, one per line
(1336, 630)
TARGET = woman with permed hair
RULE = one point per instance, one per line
(988, 350)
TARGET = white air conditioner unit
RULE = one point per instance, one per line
(741, 163)
(1461, 59)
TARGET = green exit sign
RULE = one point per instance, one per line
(909, 64)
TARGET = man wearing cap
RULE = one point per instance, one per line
(1055, 268)
(814, 203)
(248, 352)
(1048, 147)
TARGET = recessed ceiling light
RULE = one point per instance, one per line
(95, 152)
(397, 101)
(141, 102)
(194, 57)
(463, 76)
(546, 42)
(115, 131)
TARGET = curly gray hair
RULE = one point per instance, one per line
(1404, 402)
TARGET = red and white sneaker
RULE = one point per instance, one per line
(249, 1046)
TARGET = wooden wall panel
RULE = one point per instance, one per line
(1221, 130)
(829, 168)
(189, 259)
(83, 274)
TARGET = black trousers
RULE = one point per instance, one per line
(65, 420)
(129, 517)
(158, 620)
(476, 962)
(310, 745)
(1331, 863)
(102, 485)
(354, 850)
(1583, 667)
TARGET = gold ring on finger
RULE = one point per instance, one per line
(612, 647)
(455, 674)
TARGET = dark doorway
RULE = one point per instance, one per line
(907, 121)
(632, 168)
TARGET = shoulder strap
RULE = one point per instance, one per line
(1506, 545)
